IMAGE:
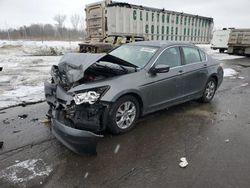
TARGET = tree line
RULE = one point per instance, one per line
(43, 32)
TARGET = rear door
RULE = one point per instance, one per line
(195, 70)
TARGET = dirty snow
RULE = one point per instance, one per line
(23, 172)
(26, 65)
(228, 72)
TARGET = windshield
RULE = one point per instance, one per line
(136, 55)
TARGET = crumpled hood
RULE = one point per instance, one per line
(74, 64)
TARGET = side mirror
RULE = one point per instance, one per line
(161, 68)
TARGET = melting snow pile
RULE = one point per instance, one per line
(229, 72)
(38, 48)
(26, 65)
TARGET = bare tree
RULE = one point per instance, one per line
(75, 20)
(60, 19)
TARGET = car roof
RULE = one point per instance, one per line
(160, 44)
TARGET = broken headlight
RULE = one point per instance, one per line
(90, 96)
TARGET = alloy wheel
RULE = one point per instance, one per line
(125, 115)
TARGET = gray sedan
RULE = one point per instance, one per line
(89, 93)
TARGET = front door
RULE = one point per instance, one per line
(166, 87)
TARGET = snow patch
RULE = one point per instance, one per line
(23, 74)
(20, 94)
(23, 172)
(216, 54)
(228, 72)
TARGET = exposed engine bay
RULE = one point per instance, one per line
(68, 74)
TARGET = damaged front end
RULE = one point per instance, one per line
(76, 126)
(78, 117)
(75, 122)
(78, 114)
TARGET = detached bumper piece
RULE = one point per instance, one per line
(76, 140)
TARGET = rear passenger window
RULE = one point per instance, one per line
(191, 55)
(171, 57)
(203, 56)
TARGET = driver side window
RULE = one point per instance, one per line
(170, 57)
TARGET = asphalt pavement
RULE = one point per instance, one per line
(214, 138)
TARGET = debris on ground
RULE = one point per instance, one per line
(1, 144)
(86, 175)
(45, 120)
(183, 162)
(23, 104)
(24, 116)
(16, 131)
(117, 148)
(6, 121)
(244, 85)
(34, 120)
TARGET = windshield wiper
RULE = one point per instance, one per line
(123, 68)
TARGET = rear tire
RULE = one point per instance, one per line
(124, 114)
(209, 91)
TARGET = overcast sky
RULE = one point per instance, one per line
(14, 13)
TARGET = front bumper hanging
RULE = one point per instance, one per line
(76, 140)
(73, 135)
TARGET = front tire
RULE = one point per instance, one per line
(209, 91)
(124, 114)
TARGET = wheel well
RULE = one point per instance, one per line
(216, 78)
(139, 99)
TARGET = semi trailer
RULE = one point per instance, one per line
(239, 42)
(127, 23)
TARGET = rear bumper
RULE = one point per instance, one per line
(79, 141)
